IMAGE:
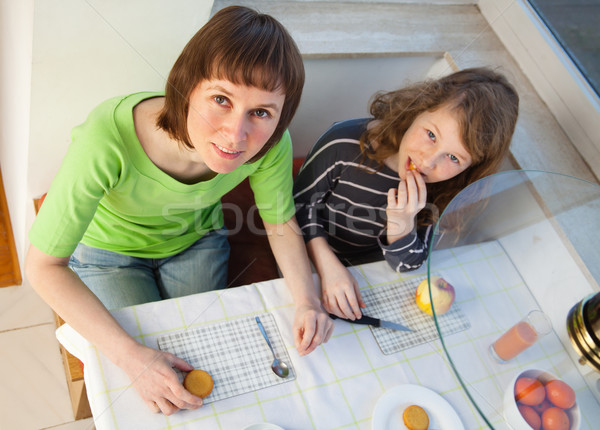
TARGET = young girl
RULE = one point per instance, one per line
(363, 187)
(134, 213)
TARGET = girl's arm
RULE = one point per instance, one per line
(409, 252)
(404, 246)
(150, 370)
(332, 155)
(312, 325)
(341, 295)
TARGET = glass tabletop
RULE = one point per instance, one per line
(512, 243)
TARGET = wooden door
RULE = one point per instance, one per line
(10, 272)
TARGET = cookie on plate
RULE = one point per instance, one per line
(415, 418)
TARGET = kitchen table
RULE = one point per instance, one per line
(499, 267)
(336, 386)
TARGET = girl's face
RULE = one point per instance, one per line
(228, 124)
(433, 144)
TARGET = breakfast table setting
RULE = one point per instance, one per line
(480, 281)
(336, 386)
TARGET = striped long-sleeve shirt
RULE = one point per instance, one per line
(340, 198)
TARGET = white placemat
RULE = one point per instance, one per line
(234, 353)
(396, 302)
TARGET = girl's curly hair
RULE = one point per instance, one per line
(486, 106)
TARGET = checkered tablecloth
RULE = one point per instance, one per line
(234, 353)
(396, 302)
(338, 385)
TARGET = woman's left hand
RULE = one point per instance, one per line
(312, 327)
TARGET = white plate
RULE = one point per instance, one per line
(389, 408)
(263, 426)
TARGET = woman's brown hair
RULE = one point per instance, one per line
(486, 107)
(245, 47)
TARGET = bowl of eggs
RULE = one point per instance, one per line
(536, 399)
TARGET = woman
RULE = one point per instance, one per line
(134, 213)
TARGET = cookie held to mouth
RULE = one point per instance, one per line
(412, 166)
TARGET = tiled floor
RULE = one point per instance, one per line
(33, 392)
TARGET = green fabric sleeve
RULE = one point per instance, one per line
(272, 183)
(87, 172)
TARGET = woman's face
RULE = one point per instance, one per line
(433, 144)
(228, 124)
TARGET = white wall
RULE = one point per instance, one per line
(16, 29)
(339, 87)
(87, 51)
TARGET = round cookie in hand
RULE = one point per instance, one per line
(415, 418)
(199, 383)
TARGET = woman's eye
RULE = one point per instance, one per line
(220, 100)
(431, 135)
(262, 113)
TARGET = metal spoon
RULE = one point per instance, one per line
(280, 368)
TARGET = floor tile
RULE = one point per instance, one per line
(33, 393)
(87, 424)
(21, 307)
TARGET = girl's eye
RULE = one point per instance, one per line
(453, 158)
(431, 135)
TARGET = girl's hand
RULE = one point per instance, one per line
(312, 327)
(153, 377)
(341, 295)
(404, 204)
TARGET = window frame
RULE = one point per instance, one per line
(555, 77)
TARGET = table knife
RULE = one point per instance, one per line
(375, 322)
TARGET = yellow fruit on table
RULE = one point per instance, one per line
(442, 293)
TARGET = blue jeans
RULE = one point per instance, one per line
(120, 280)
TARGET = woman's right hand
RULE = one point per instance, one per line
(152, 375)
(151, 371)
(341, 295)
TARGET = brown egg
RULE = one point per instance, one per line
(540, 408)
(529, 391)
(560, 394)
(530, 416)
(555, 419)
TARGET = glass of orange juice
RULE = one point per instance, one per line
(520, 336)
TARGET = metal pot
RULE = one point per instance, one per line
(583, 326)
